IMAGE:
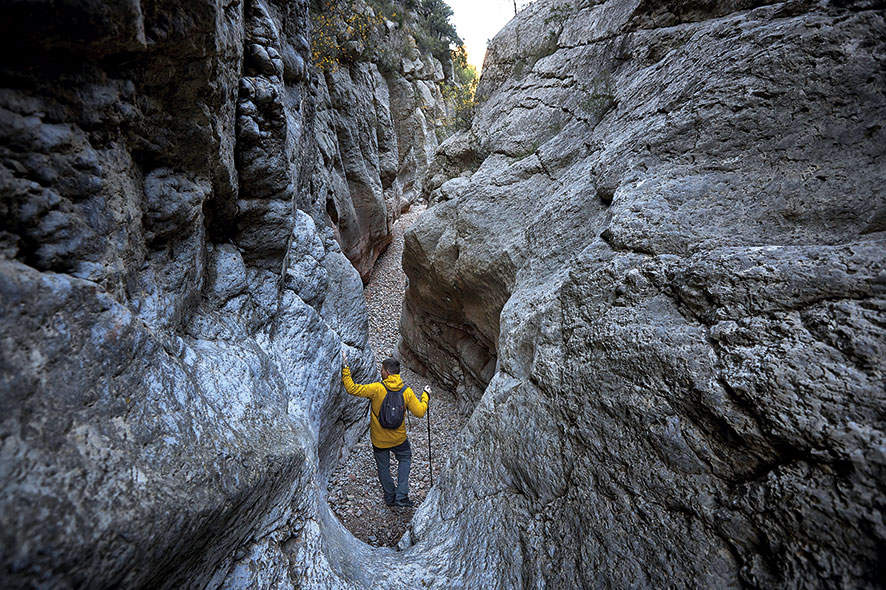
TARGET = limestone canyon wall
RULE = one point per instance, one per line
(376, 129)
(178, 186)
(656, 265)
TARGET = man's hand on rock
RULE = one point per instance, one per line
(344, 358)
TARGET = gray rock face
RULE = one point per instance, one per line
(377, 132)
(656, 266)
(172, 298)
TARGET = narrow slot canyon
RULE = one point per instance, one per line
(354, 492)
(638, 254)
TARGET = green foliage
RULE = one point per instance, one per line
(389, 10)
(341, 33)
(465, 73)
(435, 34)
(558, 14)
(436, 15)
(460, 92)
(335, 25)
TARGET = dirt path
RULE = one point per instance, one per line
(354, 492)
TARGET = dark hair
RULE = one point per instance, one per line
(391, 365)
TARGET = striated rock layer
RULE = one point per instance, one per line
(173, 297)
(657, 265)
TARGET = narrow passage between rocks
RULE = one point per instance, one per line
(354, 492)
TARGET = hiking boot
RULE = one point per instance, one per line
(404, 503)
(389, 500)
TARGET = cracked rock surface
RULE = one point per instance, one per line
(655, 265)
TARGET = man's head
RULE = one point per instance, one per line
(390, 366)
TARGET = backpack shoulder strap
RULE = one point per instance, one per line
(383, 399)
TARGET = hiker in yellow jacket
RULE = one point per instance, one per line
(388, 440)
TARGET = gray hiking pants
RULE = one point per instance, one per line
(403, 452)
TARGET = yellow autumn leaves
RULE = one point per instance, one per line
(337, 23)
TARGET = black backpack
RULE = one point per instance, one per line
(393, 409)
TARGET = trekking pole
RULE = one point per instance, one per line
(428, 412)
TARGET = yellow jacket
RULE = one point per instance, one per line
(381, 437)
